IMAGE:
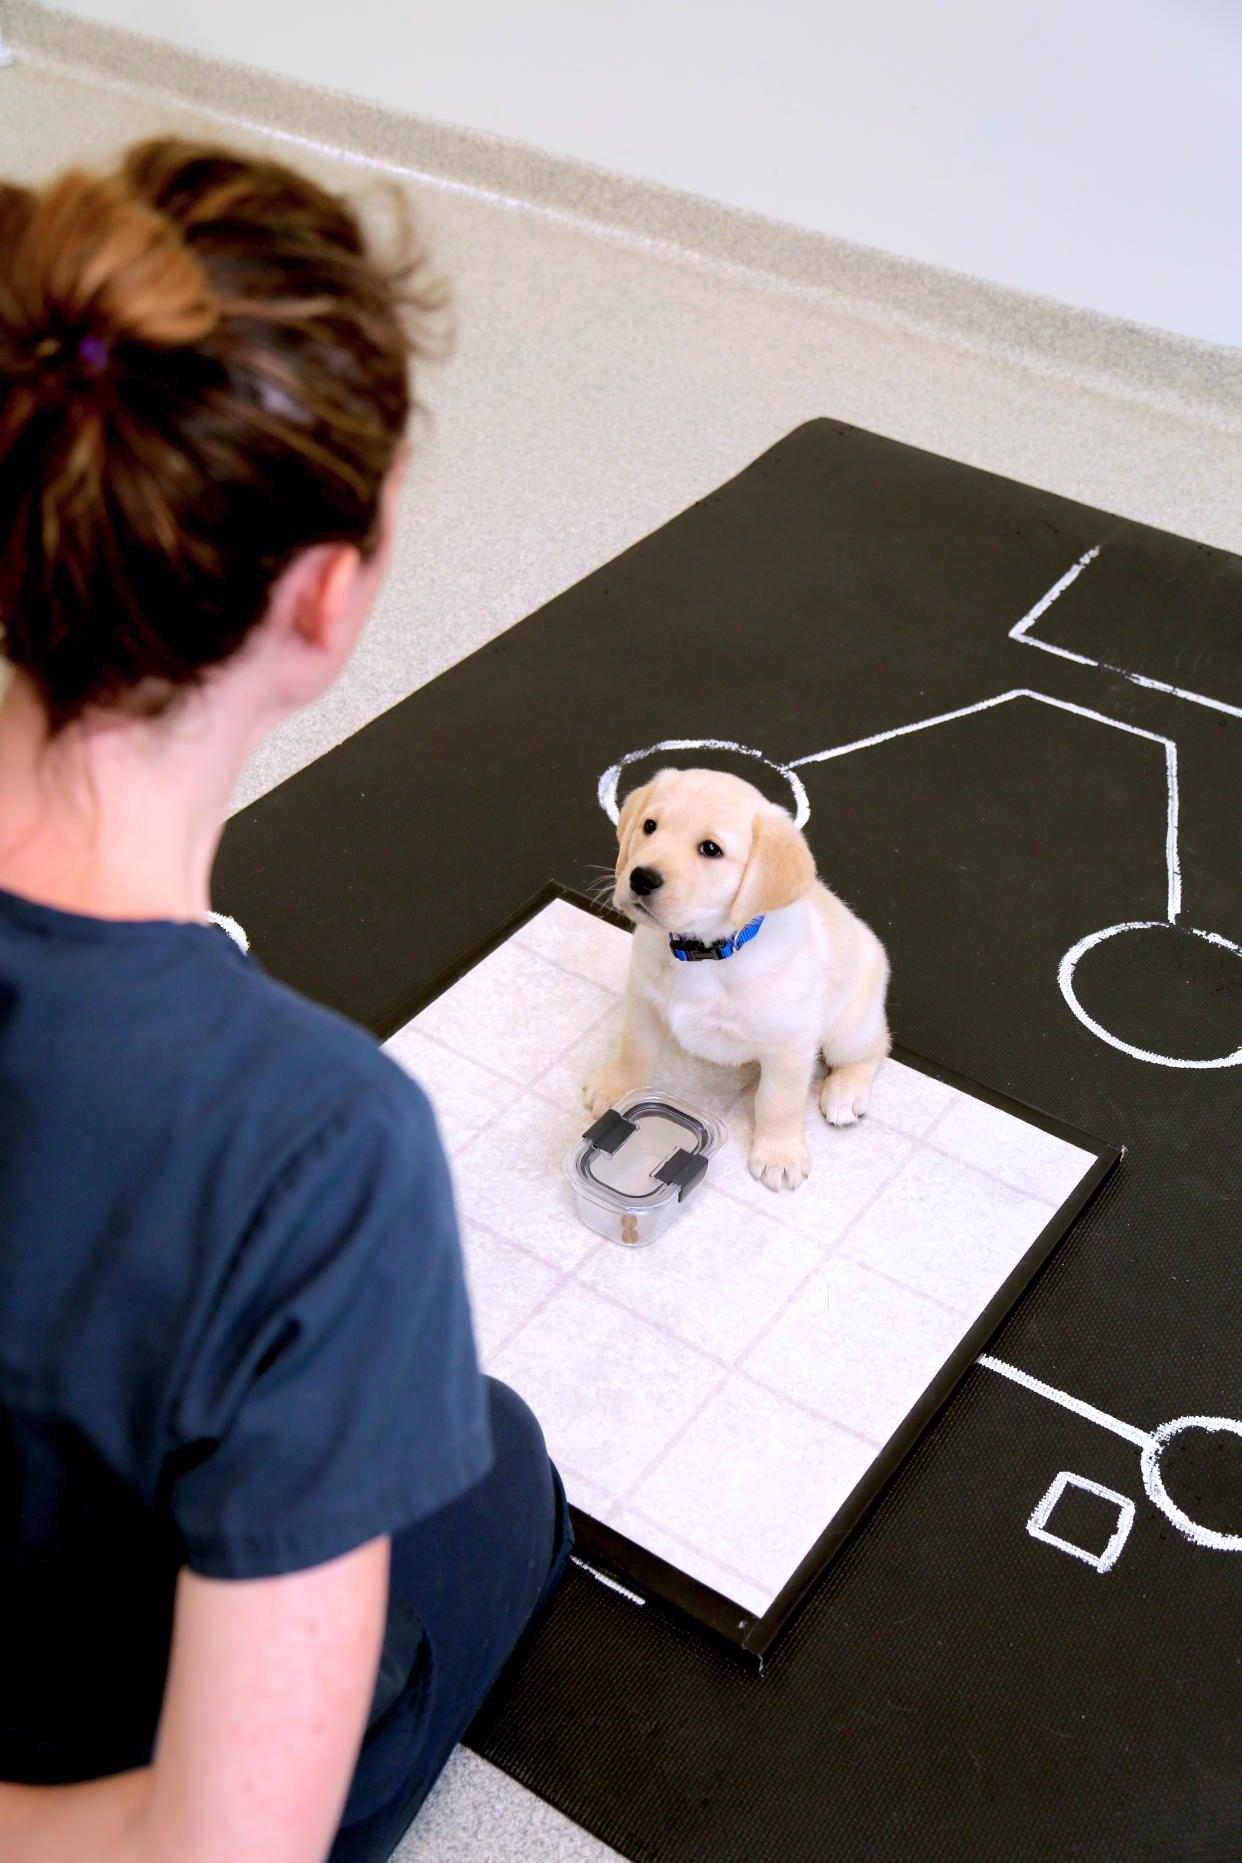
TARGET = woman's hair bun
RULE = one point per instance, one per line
(93, 258)
(204, 371)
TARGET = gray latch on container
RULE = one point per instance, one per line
(610, 1132)
(684, 1169)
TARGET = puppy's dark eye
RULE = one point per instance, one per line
(711, 850)
(648, 827)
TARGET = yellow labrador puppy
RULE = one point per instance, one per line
(744, 955)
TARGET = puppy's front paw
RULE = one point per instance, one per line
(780, 1162)
(603, 1089)
(845, 1096)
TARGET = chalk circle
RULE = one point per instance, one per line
(607, 787)
(1158, 1493)
(1069, 964)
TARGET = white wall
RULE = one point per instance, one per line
(1087, 149)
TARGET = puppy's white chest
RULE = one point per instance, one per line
(703, 1015)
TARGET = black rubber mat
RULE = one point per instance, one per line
(957, 1687)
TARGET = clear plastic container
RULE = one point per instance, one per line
(639, 1163)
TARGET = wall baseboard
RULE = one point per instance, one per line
(1178, 374)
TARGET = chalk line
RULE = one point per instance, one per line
(1179, 692)
(1019, 633)
(602, 1578)
(1142, 1439)
(1171, 853)
(1045, 602)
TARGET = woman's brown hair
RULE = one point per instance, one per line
(203, 371)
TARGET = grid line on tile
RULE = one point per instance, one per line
(569, 970)
(437, 1041)
(833, 1250)
(637, 1313)
(993, 1177)
(808, 1410)
(939, 1120)
(534, 1085)
(881, 1274)
(480, 1228)
(519, 1087)
(627, 1493)
(730, 1366)
(689, 1546)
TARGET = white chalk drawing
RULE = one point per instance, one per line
(606, 789)
(1020, 632)
(1172, 861)
(230, 926)
(1151, 1445)
(603, 1578)
(608, 783)
(1065, 977)
(1037, 1525)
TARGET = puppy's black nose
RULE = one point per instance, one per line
(646, 880)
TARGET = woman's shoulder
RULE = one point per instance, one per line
(305, 1047)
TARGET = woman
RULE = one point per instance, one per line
(266, 1535)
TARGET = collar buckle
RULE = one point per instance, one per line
(691, 951)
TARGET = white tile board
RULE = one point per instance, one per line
(716, 1396)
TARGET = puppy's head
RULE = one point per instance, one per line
(701, 853)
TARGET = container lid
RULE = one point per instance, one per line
(648, 1150)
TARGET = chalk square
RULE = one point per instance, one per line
(1038, 1528)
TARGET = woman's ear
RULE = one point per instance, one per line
(632, 811)
(780, 869)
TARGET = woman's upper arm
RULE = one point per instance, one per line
(266, 1702)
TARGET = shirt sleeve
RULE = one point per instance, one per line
(335, 1394)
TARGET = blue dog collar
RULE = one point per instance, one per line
(690, 951)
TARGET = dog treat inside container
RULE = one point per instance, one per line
(635, 1167)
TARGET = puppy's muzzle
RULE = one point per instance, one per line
(646, 880)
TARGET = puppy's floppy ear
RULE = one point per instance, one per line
(780, 869)
(632, 811)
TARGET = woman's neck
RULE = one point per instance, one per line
(115, 817)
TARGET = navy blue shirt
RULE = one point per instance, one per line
(234, 1332)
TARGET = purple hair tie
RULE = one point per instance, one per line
(93, 351)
